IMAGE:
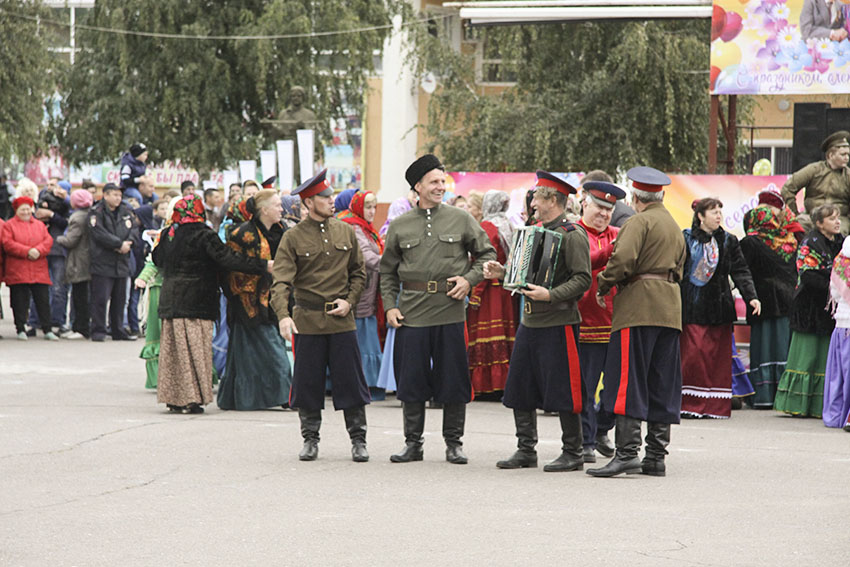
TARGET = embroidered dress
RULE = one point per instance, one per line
(150, 352)
(836, 391)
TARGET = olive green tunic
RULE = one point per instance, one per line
(318, 262)
(823, 185)
(571, 280)
(432, 245)
(650, 242)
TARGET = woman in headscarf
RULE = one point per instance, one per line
(191, 257)
(492, 316)
(341, 203)
(150, 278)
(708, 311)
(26, 242)
(800, 389)
(836, 388)
(363, 206)
(291, 210)
(257, 374)
(770, 249)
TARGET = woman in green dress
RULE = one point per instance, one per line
(150, 278)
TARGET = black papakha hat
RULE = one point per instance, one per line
(836, 140)
(420, 167)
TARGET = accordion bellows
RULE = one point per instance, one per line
(533, 258)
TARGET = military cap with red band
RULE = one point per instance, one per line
(546, 179)
(269, 183)
(648, 179)
(317, 185)
(603, 193)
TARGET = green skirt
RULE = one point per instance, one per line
(150, 352)
(800, 390)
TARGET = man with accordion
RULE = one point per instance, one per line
(550, 266)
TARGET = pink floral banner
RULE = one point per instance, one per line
(780, 47)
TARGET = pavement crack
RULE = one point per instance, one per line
(79, 444)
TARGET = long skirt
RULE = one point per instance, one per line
(836, 387)
(769, 342)
(386, 375)
(220, 341)
(492, 330)
(185, 362)
(800, 390)
(370, 353)
(150, 352)
(257, 374)
(741, 386)
(707, 371)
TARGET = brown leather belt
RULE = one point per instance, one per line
(325, 307)
(532, 307)
(668, 277)
(432, 286)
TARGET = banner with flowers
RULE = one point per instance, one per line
(780, 47)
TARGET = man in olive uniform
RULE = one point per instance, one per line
(643, 371)
(544, 371)
(826, 181)
(320, 262)
(426, 273)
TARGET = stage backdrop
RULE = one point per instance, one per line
(737, 192)
(780, 47)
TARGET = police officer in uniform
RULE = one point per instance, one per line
(320, 262)
(643, 371)
(426, 273)
(544, 370)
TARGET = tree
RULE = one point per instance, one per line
(27, 79)
(588, 95)
(202, 100)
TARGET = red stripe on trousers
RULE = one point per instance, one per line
(574, 367)
(620, 405)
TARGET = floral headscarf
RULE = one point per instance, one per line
(777, 234)
(358, 202)
(238, 210)
(187, 210)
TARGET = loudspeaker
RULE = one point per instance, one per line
(837, 119)
(809, 131)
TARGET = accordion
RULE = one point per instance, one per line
(533, 257)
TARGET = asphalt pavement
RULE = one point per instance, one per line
(94, 472)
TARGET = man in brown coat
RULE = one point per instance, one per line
(643, 373)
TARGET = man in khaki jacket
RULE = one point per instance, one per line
(643, 372)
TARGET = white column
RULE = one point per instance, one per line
(399, 116)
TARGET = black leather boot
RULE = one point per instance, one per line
(627, 438)
(571, 458)
(414, 425)
(604, 445)
(311, 421)
(526, 434)
(355, 423)
(588, 454)
(657, 439)
(454, 418)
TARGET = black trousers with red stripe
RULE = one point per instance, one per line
(544, 371)
(335, 356)
(643, 374)
(431, 363)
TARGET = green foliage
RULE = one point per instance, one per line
(202, 101)
(27, 79)
(606, 95)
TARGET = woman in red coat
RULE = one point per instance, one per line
(25, 244)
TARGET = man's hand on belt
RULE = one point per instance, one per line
(461, 288)
(342, 308)
(287, 328)
(536, 293)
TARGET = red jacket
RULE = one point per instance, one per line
(17, 238)
(2, 222)
(596, 322)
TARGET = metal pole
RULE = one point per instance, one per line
(731, 133)
(712, 134)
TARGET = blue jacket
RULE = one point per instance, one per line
(131, 170)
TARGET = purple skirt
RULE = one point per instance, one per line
(836, 386)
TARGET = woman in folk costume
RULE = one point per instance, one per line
(362, 212)
(257, 374)
(836, 387)
(191, 257)
(491, 319)
(151, 278)
(708, 311)
(800, 390)
(291, 210)
(770, 248)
